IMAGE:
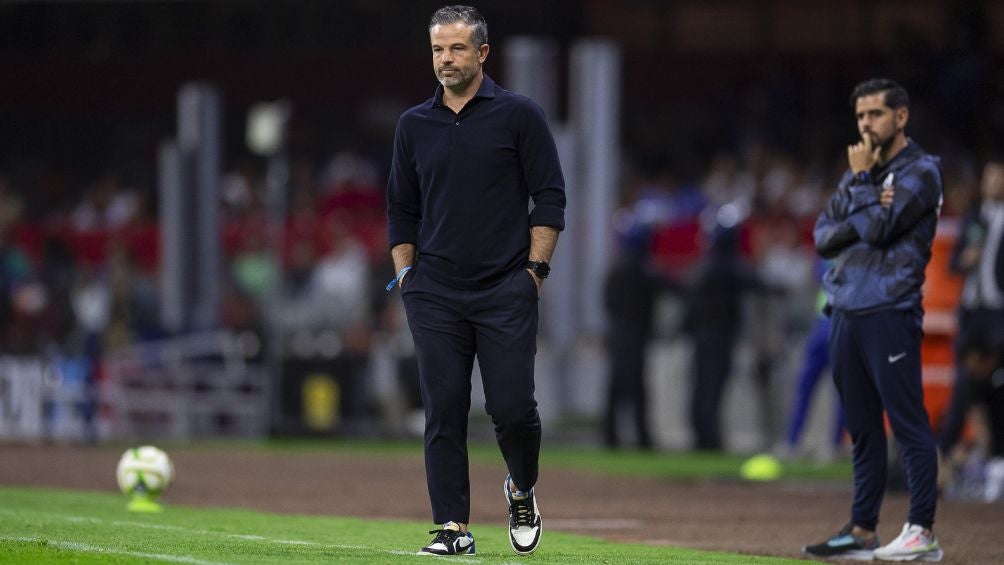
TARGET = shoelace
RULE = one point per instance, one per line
(522, 511)
(445, 536)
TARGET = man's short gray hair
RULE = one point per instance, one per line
(464, 14)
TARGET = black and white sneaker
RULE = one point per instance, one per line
(449, 541)
(524, 519)
(844, 545)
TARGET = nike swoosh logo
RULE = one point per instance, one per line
(894, 358)
(842, 540)
(462, 545)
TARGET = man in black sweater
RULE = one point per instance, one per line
(470, 263)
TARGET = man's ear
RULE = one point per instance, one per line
(902, 117)
(482, 53)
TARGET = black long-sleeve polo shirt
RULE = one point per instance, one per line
(460, 185)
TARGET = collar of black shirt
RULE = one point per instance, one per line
(486, 90)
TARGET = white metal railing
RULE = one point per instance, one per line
(197, 385)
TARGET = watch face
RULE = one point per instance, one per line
(542, 270)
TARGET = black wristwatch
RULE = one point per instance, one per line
(539, 268)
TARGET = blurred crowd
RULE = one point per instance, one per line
(721, 181)
(80, 278)
(83, 278)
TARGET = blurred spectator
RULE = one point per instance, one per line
(238, 310)
(671, 210)
(714, 320)
(630, 292)
(815, 362)
(351, 191)
(726, 182)
(240, 189)
(783, 262)
(329, 290)
(252, 266)
(983, 362)
(57, 273)
(979, 255)
(106, 205)
(24, 300)
(135, 303)
(341, 276)
(11, 203)
(91, 299)
(351, 184)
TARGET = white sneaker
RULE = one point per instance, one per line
(994, 487)
(449, 541)
(911, 545)
(524, 519)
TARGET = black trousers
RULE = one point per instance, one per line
(712, 367)
(450, 326)
(626, 386)
(972, 322)
(876, 365)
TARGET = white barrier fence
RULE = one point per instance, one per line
(187, 387)
(198, 385)
(24, 384)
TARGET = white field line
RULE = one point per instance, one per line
(87, 548)
(249, 537)
(595, 523)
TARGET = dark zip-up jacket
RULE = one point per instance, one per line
(460, 185)
(879, 254)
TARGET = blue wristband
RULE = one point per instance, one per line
(400, 274)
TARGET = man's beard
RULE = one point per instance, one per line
(883, 144)
(460, 76)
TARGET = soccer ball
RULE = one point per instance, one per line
(144, 471)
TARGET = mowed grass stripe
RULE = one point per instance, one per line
(99, 520)
(87, 548)
(180, 529)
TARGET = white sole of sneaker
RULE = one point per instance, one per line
(933, 556)
(856, 555)
(429, 553)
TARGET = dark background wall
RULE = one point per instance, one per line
(87, 86)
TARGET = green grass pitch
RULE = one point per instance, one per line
(41, 526)
(53, 526)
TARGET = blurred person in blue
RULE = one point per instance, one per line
(631, 290)
(815, 362)
(714, 319)
(979, 256)
(470, 261)
(877, 229)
